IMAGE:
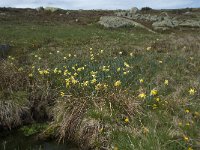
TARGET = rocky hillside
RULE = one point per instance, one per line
(164, 19)
(153, 19)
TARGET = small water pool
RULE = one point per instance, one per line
(15, 140)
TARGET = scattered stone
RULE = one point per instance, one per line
(51, 9)
(2, 14)
(40, 9)
(4, 48)
(134, 10)
(67, 13)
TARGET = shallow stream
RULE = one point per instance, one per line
(16, 140)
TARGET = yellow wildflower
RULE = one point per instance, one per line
(20, 69)
(125, 73)
(67, 82)
(55, 70)
(190, 148)
(46, 71)
(118, 69)
(180, 124)
(105, 68)
(93, 72)
(41, 72)
(197, 114)
(62, 94)
(93, 80)
(192, 91)
(126, 120)
(155, 106)
(186, 138)
(141, 80)
(85, 83)
(157, 99)
(117, 83)
(187, 110)
(59, 71)
(187, 124)
(148, 48)
(126, 64)
(65, 72)
(73, 80)
(154, 92)
(105, 86)
(166, 82)
(142, 95)
(80, 69)
(98, 86)
(30, 75)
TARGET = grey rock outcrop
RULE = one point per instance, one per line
(117, 22)
(165, 24)
(161, 21)
(190, 23)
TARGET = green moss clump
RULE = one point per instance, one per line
(33, 129)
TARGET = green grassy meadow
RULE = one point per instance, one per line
(101, 88)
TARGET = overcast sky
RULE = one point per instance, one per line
(100, 4)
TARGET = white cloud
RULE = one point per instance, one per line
(100, 4)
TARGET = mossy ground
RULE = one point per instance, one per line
(106, 88)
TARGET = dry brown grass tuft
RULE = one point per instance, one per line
(11, 78)
(72, 122)
(13, 109)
